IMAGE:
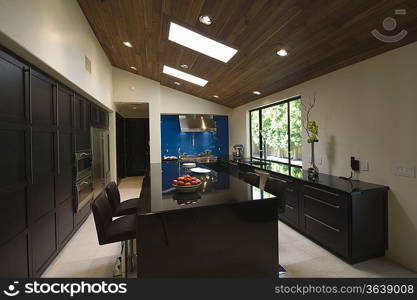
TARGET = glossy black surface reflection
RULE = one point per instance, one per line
(325, 180)
(218, 188)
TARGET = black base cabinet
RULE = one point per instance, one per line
(347, 218)
(42, 124)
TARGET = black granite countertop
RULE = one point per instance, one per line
(325, 180)
(218, 188)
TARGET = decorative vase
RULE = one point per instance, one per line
(313, 171)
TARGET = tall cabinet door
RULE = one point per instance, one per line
(82, 123)
(44, 139)
(64, 186)
(15, 175)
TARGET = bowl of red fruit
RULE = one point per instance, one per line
(186, 183)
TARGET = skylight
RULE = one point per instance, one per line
(184, 76)
(200, 43)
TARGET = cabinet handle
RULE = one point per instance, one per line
(290, 190)
(31, 155)
(322, 202)
(322, 223)
(55, 96)
(289, 206)
(58, 165)
(321, 190)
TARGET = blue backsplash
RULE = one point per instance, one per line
(193, 142)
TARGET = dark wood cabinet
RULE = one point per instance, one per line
(14, 80)
(14, 258)
(42, 124)
(44, 243)
(65, 220)
(65, 108)
(43, 95)
(42, 190)
(65, 173)
(82, 110)
(347, 218)
(99, 117)
(15, 175)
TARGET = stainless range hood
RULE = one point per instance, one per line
(197, 123)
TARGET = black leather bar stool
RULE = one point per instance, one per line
(112, 231)
(120, 208)
(251, 178)
(277, 188)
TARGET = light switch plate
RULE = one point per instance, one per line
(364, 165)
(405, 171)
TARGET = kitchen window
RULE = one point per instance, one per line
(275, 134)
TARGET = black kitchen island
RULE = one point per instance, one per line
(226, 229)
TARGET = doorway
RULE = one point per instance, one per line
(132, 139)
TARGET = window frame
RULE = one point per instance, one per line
(262, 158)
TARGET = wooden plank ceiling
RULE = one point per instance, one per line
(321, 36)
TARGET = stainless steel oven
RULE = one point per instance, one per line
(83, 192)
(83, 163)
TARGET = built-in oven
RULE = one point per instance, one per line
(83, 163)
(83, 192)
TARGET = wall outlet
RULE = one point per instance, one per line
(405, 171)
(364, 165)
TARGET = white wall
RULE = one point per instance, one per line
(368, 110)
(128, 87)
(55, 36)
(174, 102)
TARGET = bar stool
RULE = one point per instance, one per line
(111, 231)
(277, 188)
(120, 208)
(251, 178)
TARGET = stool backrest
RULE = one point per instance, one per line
(113, 194)
(251, 178)
(277, 188)
(102, 213)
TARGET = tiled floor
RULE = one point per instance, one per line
(303, 258)
(84, 257)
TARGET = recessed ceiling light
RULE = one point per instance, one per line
(127, 44)
(206, 20)
(282, 52)
(215, 96)
(184, 76)
(177, 83)
(200, 43)
(133, 68)
(256, 92)
(184, 66)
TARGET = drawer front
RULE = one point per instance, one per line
(333, 214)
(329, 196)
(334, 238)
(291, 192)
(290, 215)
(291, 196)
